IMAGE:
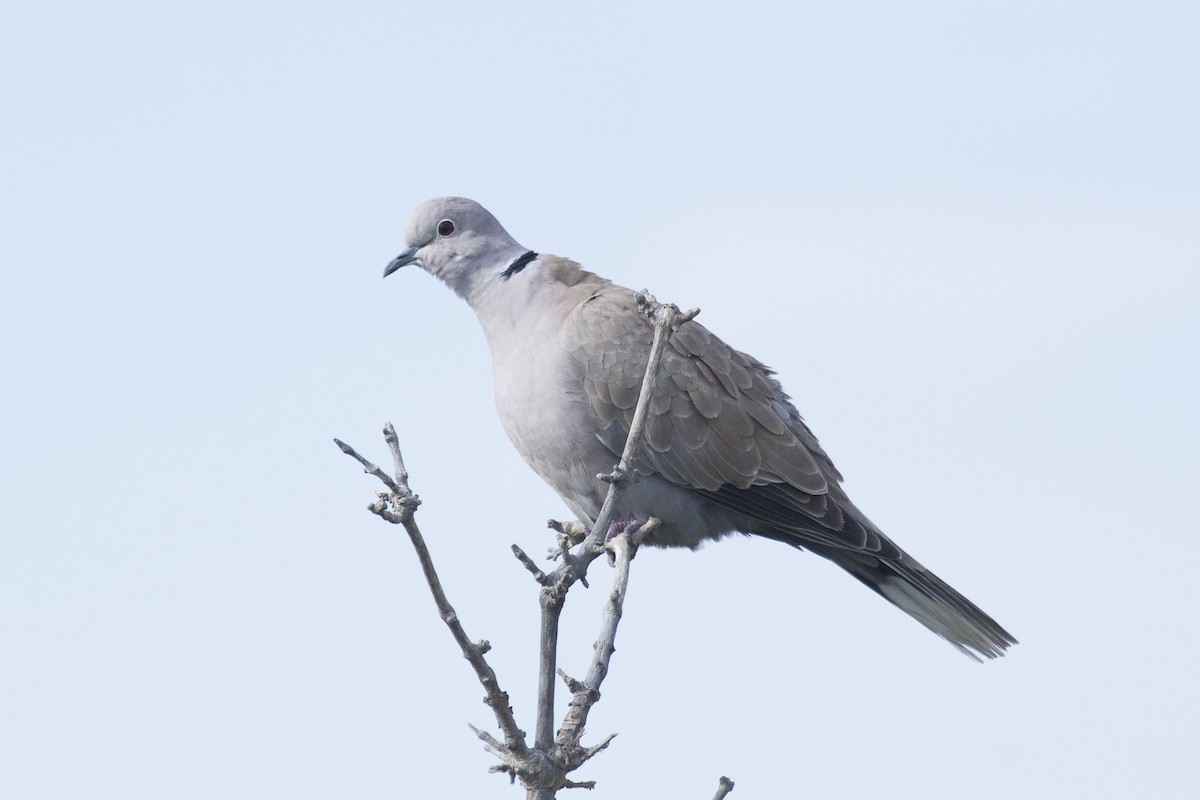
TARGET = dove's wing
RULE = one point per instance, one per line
(721, 425)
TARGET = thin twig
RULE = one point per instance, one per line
(587, 693)
(529, 564)
(573, 685)
(368, 467)
(393, 443)
(667, 318)
(724, 787)
(403, 499)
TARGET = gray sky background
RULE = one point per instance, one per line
(965, 237)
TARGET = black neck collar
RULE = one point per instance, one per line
(518, 265)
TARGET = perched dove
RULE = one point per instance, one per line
(725, 449)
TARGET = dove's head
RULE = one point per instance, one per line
(458, 241)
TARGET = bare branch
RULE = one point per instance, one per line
(579, 785)
(572, 684)
(724, 787)
(368, 467)
(529, 564)
(587, 692)
(667, 318)
(584, 753)
(403, 499)
(393, 442)
(490, 743)
(551, 602)
(543, 768)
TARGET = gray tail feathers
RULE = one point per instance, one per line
(928, 599)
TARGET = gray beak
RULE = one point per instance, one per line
(407, 257)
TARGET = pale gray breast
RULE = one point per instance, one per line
(547, 415)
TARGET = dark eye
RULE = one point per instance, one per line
(445, 228)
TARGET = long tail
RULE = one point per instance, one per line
(928, 599)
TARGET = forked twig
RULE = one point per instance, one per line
(543, 768)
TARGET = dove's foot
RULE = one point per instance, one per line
(627, 528)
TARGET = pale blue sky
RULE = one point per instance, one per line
(965, 237)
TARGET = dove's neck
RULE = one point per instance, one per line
(473, 265)
(526, 302)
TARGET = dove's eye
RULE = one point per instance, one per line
(445, 228)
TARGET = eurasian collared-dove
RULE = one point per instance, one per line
(725, 449)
